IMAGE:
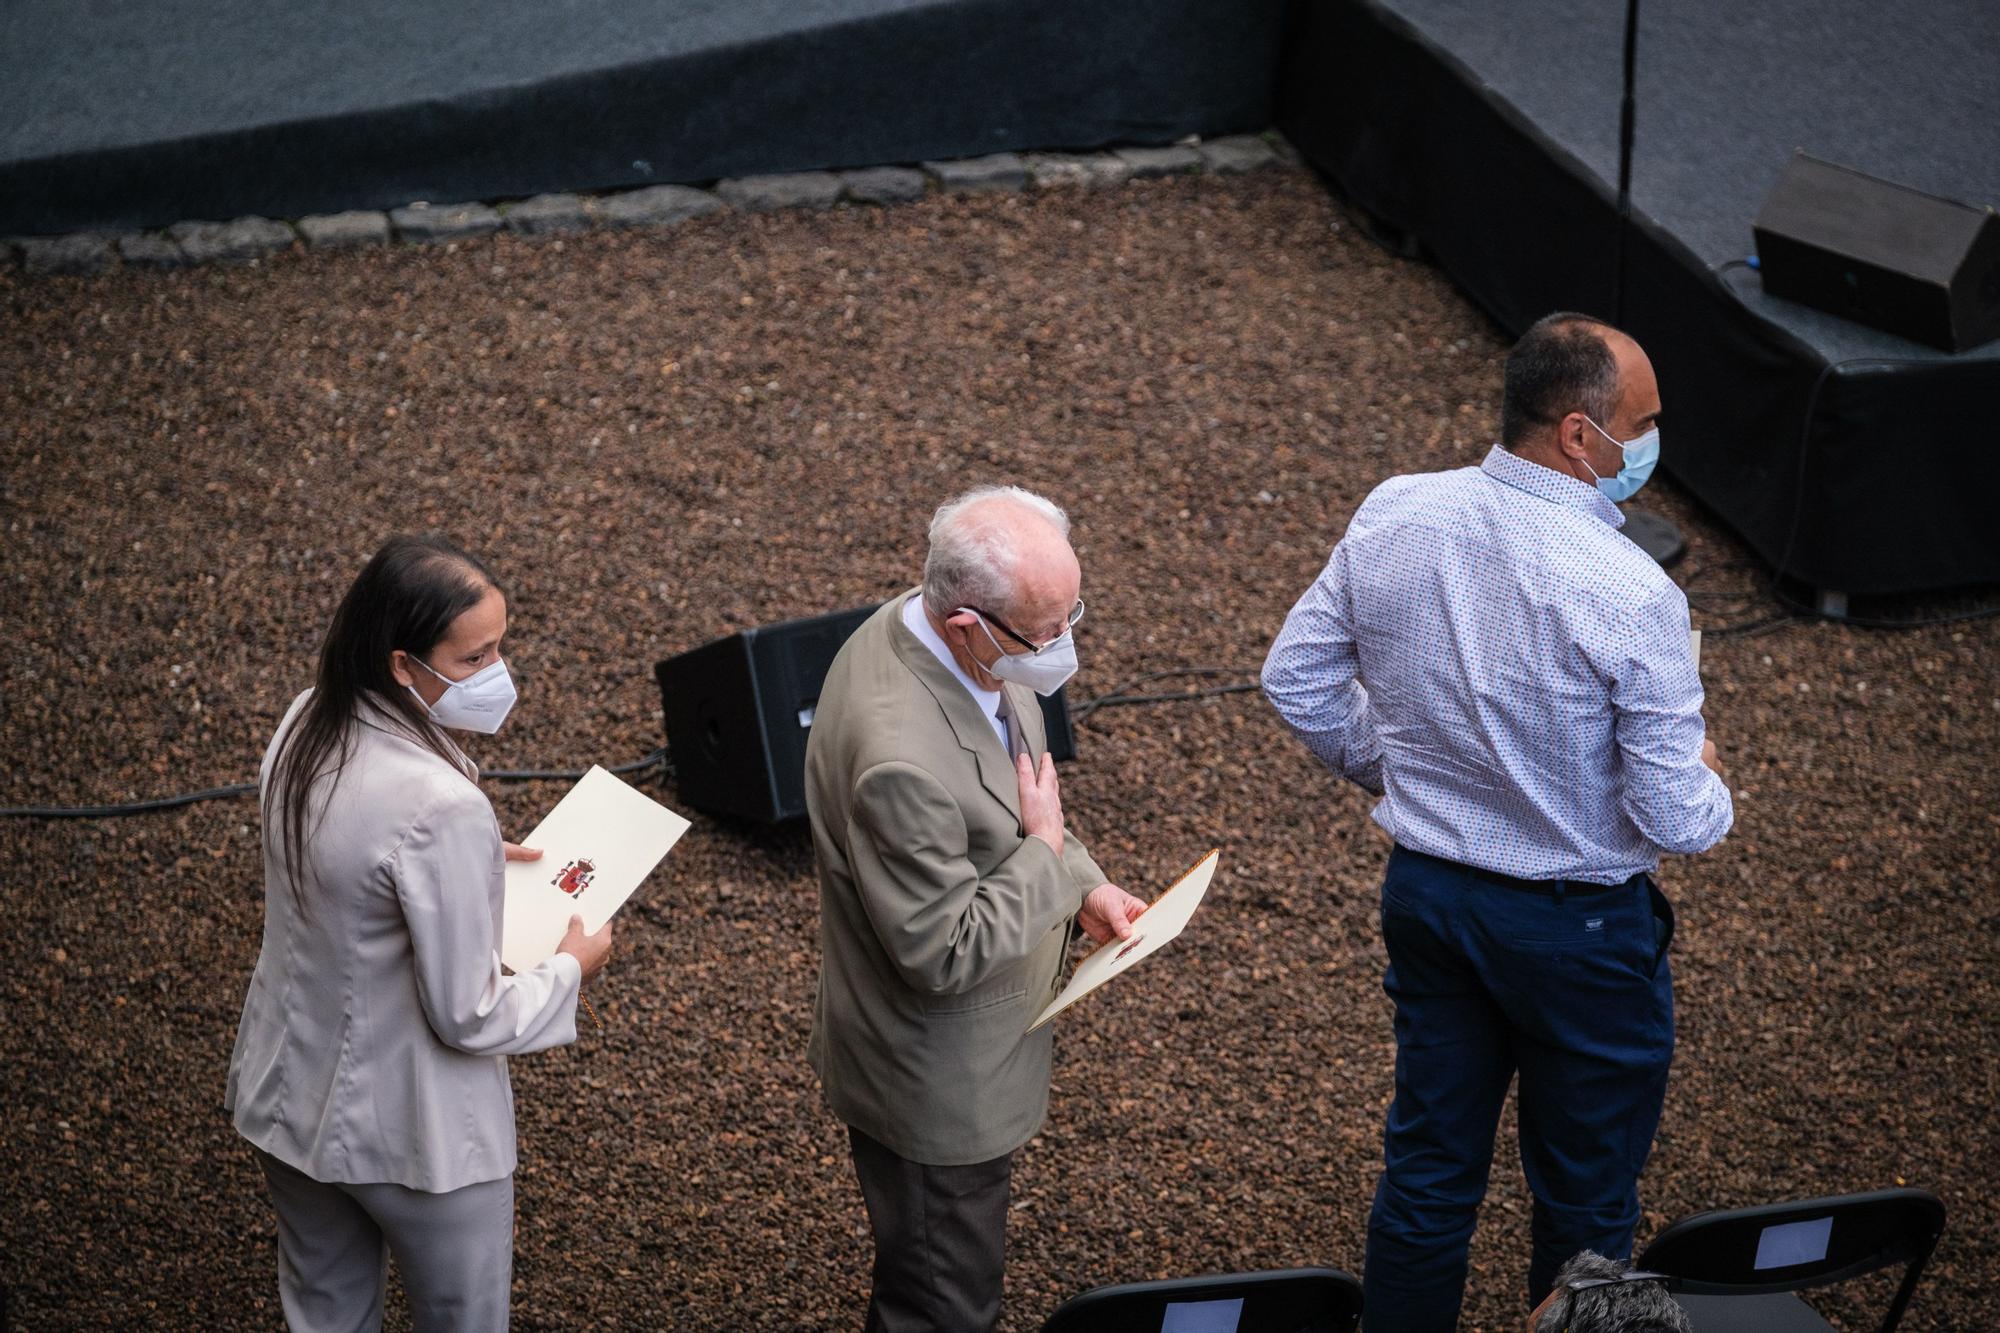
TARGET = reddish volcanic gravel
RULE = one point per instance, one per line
(662, 437)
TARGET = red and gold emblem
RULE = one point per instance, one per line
(576, 876)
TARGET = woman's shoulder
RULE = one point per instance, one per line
(389, 750)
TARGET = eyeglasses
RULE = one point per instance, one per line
(1570, 1289)
(1075, 614)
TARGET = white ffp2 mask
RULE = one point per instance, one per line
(479, 703)
(1044, 671)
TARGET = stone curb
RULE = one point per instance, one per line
(1076, 170)
(993, 174)
(768, 194)
(151, 249)
(334, 231)
(247, 239)
(84, 252)
(656, 205)
(1237, 154)
(236, 242)
(884, 185)
(1147, 163)
(550, 214)
(430, 224)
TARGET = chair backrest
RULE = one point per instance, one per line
(1794, 1246)
(1295, 1300)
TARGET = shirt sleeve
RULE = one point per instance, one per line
(1312, 677)
(1677, 802)
(944, 926)
(445, 873)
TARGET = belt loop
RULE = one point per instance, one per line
(1561, 886)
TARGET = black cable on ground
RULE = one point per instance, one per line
(657, 758)
(124, 808)
(1175, 697)
(1116, 696)
(1793, 612)
(1745, 629)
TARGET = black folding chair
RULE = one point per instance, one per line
(1296, 1300)
(1738, 1269)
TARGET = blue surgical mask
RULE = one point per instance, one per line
(1640, 456)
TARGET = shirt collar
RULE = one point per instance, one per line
(1545, 483)
(919, 624)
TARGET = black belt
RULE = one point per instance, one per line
(1548, 888)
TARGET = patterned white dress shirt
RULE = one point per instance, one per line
(1512, 675)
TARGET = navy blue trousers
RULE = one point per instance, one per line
(1569, 987)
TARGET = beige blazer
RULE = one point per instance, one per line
(374, 1039)
(943, 926)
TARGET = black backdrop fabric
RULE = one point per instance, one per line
(1848, 459)
(118, 116)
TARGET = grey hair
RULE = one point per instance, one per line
(1628, 1307)
(972, 563)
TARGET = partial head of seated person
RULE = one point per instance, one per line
(1598, 1295)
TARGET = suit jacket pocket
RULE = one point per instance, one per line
(973, 1002)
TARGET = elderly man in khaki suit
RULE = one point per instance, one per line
(948, 892)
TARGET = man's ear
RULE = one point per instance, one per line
(1572, 437)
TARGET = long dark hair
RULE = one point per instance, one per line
(405, 597)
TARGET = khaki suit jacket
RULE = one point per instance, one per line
(943, 926)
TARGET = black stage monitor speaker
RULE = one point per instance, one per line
(1880, 254)
(738, 711)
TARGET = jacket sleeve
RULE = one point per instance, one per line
(945, 927)
(1082, 870)
(1312, 677)
(445, 871)
(1677, 802)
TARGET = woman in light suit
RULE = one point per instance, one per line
(370, 1070)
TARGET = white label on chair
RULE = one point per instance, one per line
(1203, 1316)
(1792, 1243)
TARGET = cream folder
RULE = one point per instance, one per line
(600, 841)
(1157, 925)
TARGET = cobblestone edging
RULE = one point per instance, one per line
(248, 239)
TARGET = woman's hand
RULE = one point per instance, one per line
(516, 852)
(589, 950)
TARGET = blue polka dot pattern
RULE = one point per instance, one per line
(1487, 652)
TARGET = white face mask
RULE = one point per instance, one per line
(1044, 671)
(479, 703)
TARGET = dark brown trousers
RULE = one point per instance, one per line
(940, 1240)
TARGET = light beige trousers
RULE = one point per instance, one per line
(454, 1251)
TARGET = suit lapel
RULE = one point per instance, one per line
(968, 721)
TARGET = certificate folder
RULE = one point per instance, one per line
(600, 841)
(1156, 926)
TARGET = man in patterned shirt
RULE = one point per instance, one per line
(1513, 677)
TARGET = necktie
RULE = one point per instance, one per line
(1017, 744)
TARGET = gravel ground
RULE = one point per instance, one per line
(661, 437)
